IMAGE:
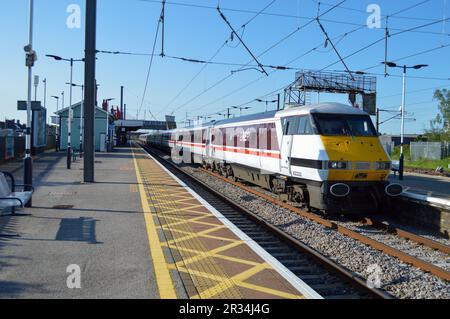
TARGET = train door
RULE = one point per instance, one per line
(208, 146)
(290, 128)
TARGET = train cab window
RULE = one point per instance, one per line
(347, 125)
(361, 126)
(290, 125)
(304, 126)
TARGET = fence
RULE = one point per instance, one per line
(11, 147)
(429, 150)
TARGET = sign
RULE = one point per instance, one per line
(54, 120)
(170, 119)
(369, 103)
(35, 105)
(39, 128)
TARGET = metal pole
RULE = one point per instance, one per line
(28, 162)
(121, 103)
(378, 120)
(69, 124)
(58, 127)
(62, 104)
(278, 102)
(81, 121)
(402, 133)
(90, 90)
(45, 92)
(36, 84)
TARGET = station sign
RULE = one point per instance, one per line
(35, 105)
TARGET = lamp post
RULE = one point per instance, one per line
(240, 108)
(57, 102)
(402, 128)
(30, 60)
(57, 128)
(267, 102)
(62, 97)
(45, 92)
(81, 116)
(69, 124)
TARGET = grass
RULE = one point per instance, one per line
(422, 163)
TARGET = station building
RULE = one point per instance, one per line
(103, 130)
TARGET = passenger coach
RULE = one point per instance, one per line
(326, 156)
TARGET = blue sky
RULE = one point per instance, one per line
(194, 32)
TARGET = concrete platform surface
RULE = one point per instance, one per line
(427, 185)
(137, 232)
(97, 227)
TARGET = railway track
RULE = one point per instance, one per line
(358, 235)
(322, 274)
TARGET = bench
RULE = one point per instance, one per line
(11, 199)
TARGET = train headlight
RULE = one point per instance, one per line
(383, 166)
(338, 165)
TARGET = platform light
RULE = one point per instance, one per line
(402, 129)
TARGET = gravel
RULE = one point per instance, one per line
(396, 277)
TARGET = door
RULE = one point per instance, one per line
(286, 147)
(290, 128)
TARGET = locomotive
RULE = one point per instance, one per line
(326, 156)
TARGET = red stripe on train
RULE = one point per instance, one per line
(234, 150)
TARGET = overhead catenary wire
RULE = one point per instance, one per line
(357, 29)
(261, 54)
(409, 30)
(443, 46)
(213, 57)
(242, 42)
(381, 39)
(150, 67)
(276, 14)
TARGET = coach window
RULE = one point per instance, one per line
(304, 126)
(290, 125)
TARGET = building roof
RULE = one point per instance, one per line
(79, 105)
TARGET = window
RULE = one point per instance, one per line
(361, 127)
(290, 125)
(345, 125)
(304, 127)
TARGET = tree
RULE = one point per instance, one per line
(440, 126)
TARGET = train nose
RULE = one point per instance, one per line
(394, 189)
(340, 190)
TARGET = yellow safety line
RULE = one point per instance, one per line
(163, 280)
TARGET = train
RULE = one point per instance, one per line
(326, 156)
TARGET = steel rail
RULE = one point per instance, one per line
(372, 221)
(423, 265)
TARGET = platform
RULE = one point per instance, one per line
(428, 188)
(138, 232)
